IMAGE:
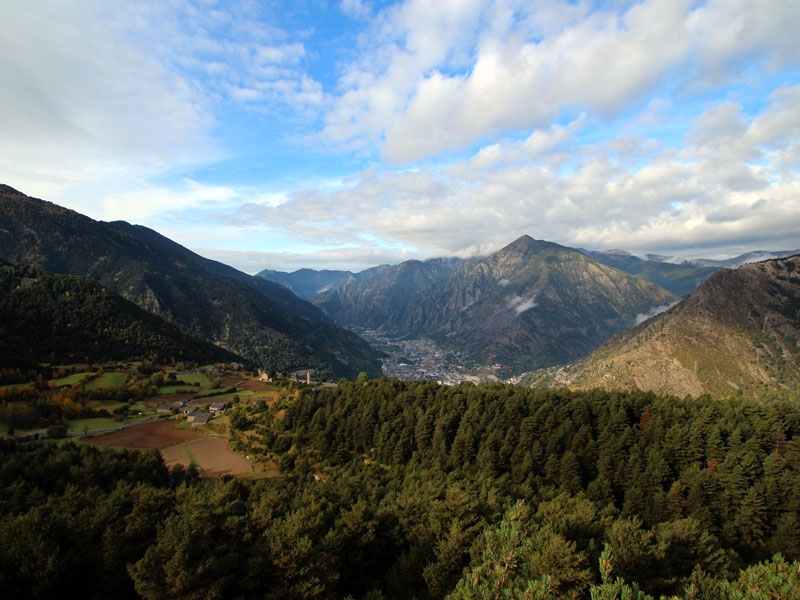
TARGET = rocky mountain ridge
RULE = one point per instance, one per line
(736, 335)
(532, 304)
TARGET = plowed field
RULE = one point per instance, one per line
(211, 454)
(146, 436)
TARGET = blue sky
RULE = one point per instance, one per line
(349, 133)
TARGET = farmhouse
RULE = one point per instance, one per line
(169, 407)
(191, 406)
(198, 417)
(217, 408)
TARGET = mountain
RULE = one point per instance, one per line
(532, 304)
(274, 291)
(261, 321)
(729, 263)
(308, 283)
(328, 289)
(679, 279)
(45, 317)
(737, 334)
(743, 259)
(382, 293)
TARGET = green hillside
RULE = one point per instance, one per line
(45, 317)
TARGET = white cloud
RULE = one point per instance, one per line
(358, 9)
(729, 31)
(78, 102)
(450, 78)
(673, 201)
(520, 304)
(405, 42)
(338, 258)
(521, 72)
(656, 310)
(650, 125)
(150, 202)
(99, 98)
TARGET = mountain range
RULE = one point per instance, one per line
(532, 305)
(736, 335)
(679, 278)
(518, 307)
(676, 275)
(262, 322)
(727, 263)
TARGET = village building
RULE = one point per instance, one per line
(198, 417)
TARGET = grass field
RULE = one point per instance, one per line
(228, 396)
(106, 380)
(168, 390)
(189, 379)
(195, 378)
(109, 405)
(92, 424)
(70, 379)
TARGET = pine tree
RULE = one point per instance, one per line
(616, 589)
(504, 570)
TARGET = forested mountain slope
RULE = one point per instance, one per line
(275, 292)
(736, 335)
(64, 319)
(200, 296)
(392, 490)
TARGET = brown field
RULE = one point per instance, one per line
(253, 386)
(146, 436)
(211, 454)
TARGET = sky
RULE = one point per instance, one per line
(344, 134)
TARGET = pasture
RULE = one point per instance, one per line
(105, 380)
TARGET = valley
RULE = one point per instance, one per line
(400, 300)
(93, 290)
(392, 433)
(420, 360)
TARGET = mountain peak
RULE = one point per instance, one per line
(524, 246)
(7, 190)
(522, 243)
